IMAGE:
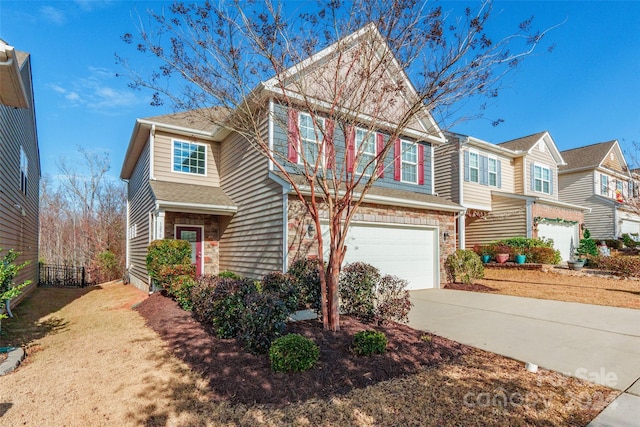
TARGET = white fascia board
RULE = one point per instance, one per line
(562, 204)
(487, 146)
(513, 196)
(197, 208)
(210, 135)
(16, 94)
(616, 174)
(476, 207)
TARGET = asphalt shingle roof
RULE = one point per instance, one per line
(190, 193)
(589, 156)
(202, 119)
(523, 144)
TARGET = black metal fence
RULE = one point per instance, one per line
(61, 276)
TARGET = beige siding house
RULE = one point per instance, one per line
(191, 178)
(598, 176)
(19, 162)
(508, 190)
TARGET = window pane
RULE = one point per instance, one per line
(409, 152)
(409, 173)
(189, 157)
(365, 143)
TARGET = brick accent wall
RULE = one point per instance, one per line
(553, 212)
(211, 238)
(300, 245)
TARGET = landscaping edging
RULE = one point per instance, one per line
(14, 357)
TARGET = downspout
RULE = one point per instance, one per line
(152, 138)
(271, 108)
(529, 218)
(462, 222)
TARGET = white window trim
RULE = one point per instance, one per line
(173, 159)
(319, 132)
(24, 171)
(402, 161)
(601, 185)
(489, 157)
(360, 153)
(542, 181)
(477, 154)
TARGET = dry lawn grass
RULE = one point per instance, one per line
(565, 285)
(92, 361)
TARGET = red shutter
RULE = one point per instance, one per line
(420, 164)
(379, 149)
(328, 144)
(396, 160)
(294, 136)
(351, 148)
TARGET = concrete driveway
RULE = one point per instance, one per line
(597, 343)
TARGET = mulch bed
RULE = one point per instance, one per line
(476, 287)
(239, 377)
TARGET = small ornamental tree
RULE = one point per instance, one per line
(8, 271)
(587, 246)
(167, 259)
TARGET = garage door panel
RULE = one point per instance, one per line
(564, 237)
(407, 252)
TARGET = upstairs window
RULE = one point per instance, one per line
(604, 185)
(310, 138)
(493, 171)
(189, 157)
(366, 143)
(541, 179)
(409, 162)
(24, 171)
(474, 167)
(620, 187)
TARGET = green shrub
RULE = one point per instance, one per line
(306, 276)
(8, 271)
(542, 255)
(202, 298)
(358, 282)
(228, 305)
(229, 275)
(628, 241)
(181, 291)
(393, 302)
(262, 319)
(464, 266)
(536, 250)
(366, 343)
(109, 265)
(165, 254)
(587, 245)
(293, 353)
(284, 286)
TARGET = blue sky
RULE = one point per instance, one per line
(586, 91)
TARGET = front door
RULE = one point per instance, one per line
(192, 235)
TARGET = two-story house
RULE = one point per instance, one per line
(597, 176)
(193, 179)
(19, 162)
(508, 190)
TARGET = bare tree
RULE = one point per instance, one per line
(242, 57)
(82, 219)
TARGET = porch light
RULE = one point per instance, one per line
(445, 236)
(311, 230)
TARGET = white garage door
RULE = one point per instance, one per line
(411, 253)
(563, 235)
(629, 227)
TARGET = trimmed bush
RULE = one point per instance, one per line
(229, 275)
(539, 251)
(628, 241)
(306, 276)
(284, 286)
(366, 343)
(181, 289)
(228, 305)
(358, 282)
(163, 256)
(627, 266)
(8, 271)
(263, 319)
(393, 302)
(293, 353)
(588, 246)
(464, 266)
(202, 298)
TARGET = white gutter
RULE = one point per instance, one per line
(17, 94)
(271, 113)
(181, 129)
(192, 207)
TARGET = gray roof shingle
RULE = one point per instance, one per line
(190, 193)
(589, 156)
(523, 144)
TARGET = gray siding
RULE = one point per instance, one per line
(280, 145)
(141, 202)
(19, 231)
(251, 244)
(447, 170)
(508, 218)
(578, 188)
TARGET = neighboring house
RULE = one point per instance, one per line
(205, 184)
(597, 176)
(19, 162)
(508, 190)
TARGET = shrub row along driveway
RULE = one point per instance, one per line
(92, 361)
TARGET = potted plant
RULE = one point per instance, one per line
(520, 256)
(486, 253)
(576, 260)
(502, 253)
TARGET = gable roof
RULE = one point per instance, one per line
(312, 70)
(527, 143)
(587, 157)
